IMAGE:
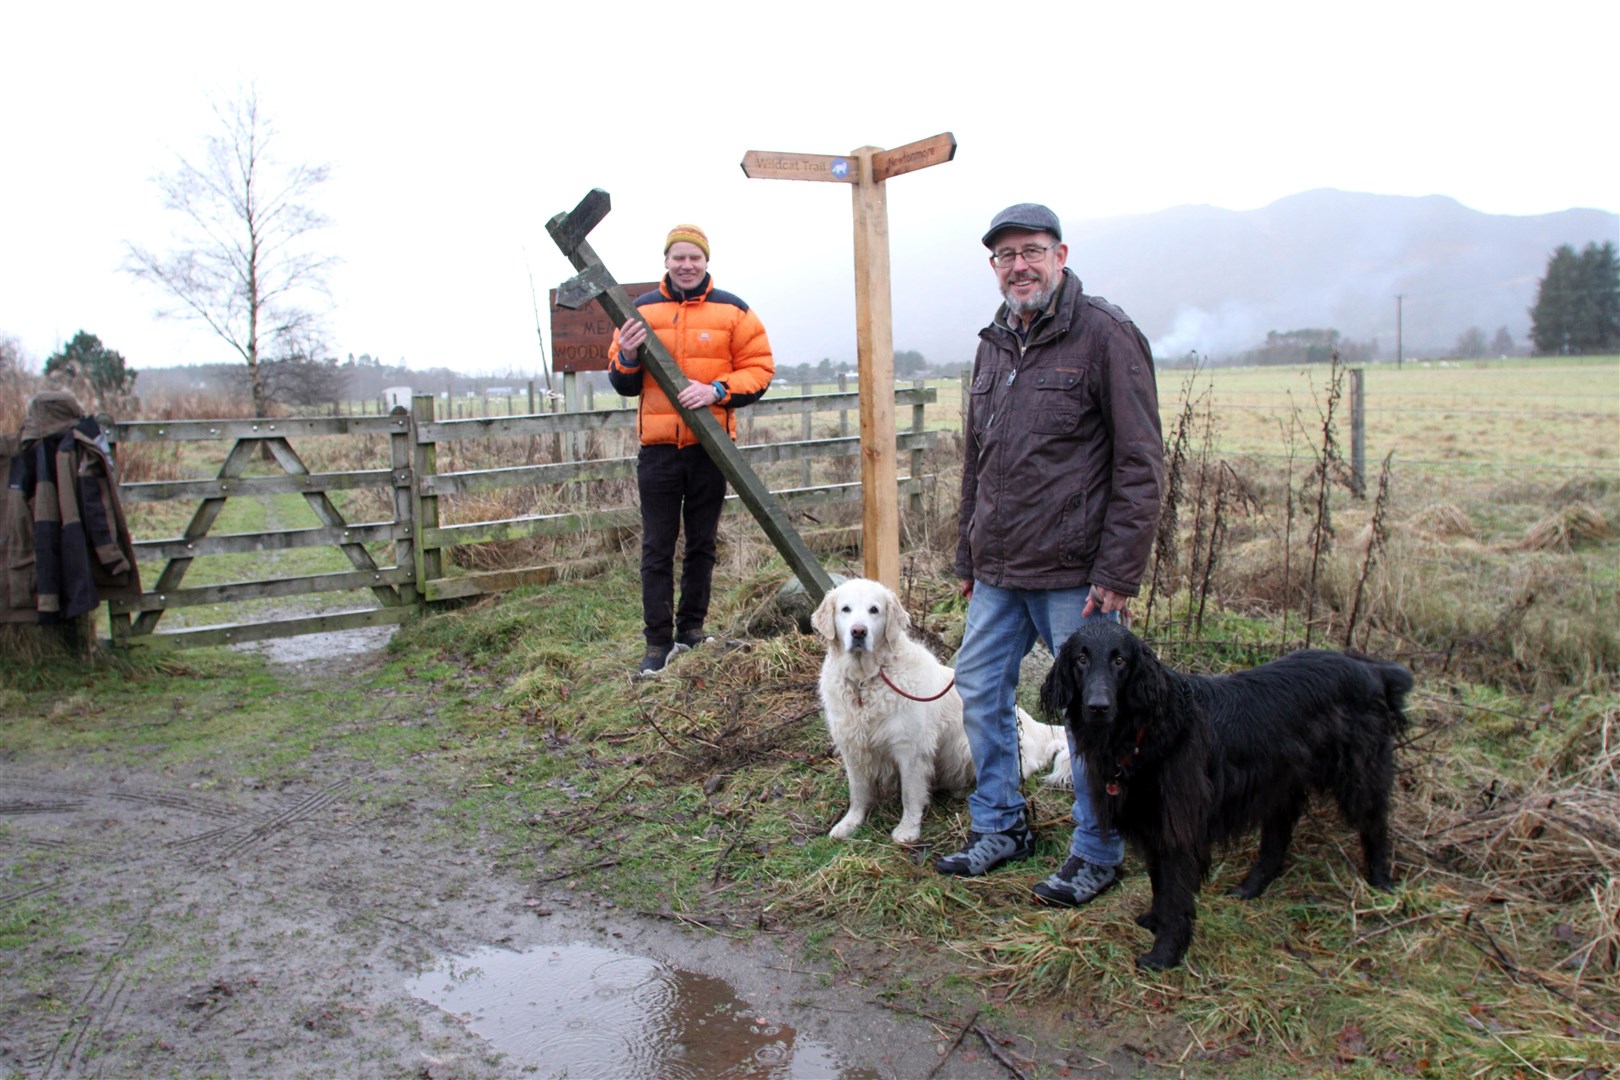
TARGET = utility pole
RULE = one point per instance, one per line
(1398, 299)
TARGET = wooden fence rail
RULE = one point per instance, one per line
(403, 562)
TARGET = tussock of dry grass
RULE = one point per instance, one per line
(1545, 845)
(1571, 527)
(1442, 522)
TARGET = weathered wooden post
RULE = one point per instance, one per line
(866, 169)
(594, 281)
(919, 426)
(429, 563)
(806, 432)
(1358, 431)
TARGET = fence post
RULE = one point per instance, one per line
(1358, 432)
(400, 442)
(428, 563)
(571, 404)
(919, 424)
(806, 431)
(843, 414)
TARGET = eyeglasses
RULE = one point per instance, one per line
(1030, 253)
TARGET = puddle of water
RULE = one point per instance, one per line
(584, 1011)
(303, 647)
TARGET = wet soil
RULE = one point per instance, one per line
(218, 925)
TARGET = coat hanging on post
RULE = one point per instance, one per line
(64, 544)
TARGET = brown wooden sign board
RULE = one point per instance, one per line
(580, 339)
(913, 156)
(769, 165)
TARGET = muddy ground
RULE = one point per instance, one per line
(212, 924)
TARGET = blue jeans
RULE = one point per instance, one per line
(1002, 626)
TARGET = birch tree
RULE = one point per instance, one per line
(240, 259)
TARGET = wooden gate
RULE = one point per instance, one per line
(265, 446)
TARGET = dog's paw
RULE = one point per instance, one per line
(1062, 772)
(1381, 882)
(1148, 921)
(1158, 960)
(906, 834)
(845, 828)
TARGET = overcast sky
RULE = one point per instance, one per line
(455, 133)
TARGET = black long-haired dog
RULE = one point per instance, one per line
(1177, 763)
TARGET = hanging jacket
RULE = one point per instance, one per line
(79, 546)
(715, 338)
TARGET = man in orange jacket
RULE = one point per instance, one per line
(721, 348)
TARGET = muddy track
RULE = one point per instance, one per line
(203, 925)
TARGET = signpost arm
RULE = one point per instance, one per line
(874, 349)
(568, 231)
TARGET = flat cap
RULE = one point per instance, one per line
(1025, 215)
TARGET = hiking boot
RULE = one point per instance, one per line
(986, 851)
(657, 656)
(1077, 882)
(691, 639)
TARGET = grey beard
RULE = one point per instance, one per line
(1027, 309)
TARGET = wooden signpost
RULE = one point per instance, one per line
(865, 170)
(568, 232)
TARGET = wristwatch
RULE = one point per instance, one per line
(719, 390)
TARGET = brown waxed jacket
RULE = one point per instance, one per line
(64, 543)
(1063, 466)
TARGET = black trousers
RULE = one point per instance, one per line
(677, 486)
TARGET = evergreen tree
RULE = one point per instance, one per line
(87, 358)
(1598, 329)
(1578, 302)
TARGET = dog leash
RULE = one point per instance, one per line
(912, 697)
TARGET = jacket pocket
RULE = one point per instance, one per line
(979, 400)
(1057, 403)
(1071, 531)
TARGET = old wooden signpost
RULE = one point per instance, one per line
(594, 281)
(865, 170)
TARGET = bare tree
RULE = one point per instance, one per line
(13, 360)
(241, 262)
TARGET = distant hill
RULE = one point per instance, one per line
(1212, 280)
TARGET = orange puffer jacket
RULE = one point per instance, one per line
(714, 337)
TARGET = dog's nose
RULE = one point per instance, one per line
(857, 634)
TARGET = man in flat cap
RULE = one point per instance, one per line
(1061, 482)
(721, 348)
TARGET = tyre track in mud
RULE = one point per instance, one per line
(242, 828)
(87, 840)
(97, 1009)
(230, 841)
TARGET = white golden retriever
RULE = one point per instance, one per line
(894, 713)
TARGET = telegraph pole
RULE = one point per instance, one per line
(1398, 299)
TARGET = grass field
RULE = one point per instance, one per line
(1490, 564)
(1507, 414)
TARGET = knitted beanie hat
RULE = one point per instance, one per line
(691, 234)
